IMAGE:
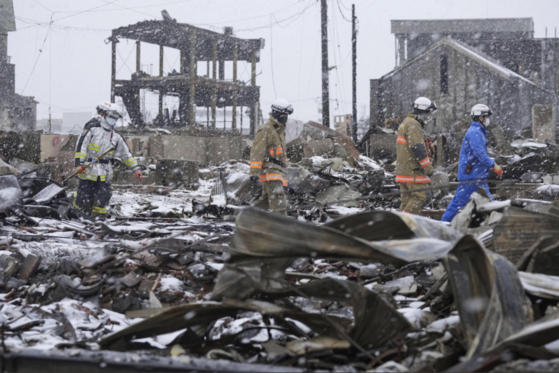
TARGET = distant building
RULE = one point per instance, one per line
(17, 112)
(459, 63)
(73, 123)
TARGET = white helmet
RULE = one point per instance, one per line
(111, 109)
(480, 110)
(282, 106)
(424, 104)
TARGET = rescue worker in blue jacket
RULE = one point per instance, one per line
(474, 163)
(98, 137)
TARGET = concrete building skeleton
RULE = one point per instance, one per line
(459, 63)
(195, 45)
(17, 113)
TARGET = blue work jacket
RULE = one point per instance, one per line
(474, 151)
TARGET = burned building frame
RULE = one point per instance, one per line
(195, 45)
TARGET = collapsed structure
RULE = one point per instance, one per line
(193, 90)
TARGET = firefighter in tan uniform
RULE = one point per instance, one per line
(413, 166)
(268, 159)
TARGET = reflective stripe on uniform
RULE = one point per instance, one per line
(80, 155)
(94, 147)
(411, 179)
(279, 150)
(254, 164)
(98, 210)
(425, 162)
(130, 162)
(422, 179)
(94, 177)
(402, 140)
(76, 206)
(273, 177)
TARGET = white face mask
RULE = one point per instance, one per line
(487, 122)
(111, 121)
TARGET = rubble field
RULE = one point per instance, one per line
(190, 277)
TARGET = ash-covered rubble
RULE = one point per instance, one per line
(181, 279)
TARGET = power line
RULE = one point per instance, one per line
(72, 15)
(36, 2)
(131, 9)
(297, 15)
(37, 60)
(342, 13)
(340, 1)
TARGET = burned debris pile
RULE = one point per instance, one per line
(187, 276)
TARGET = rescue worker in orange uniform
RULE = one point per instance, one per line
(413, 166)
(268, 159)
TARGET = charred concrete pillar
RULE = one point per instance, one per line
(113, 67)
(235, 93)
(138, 56)
(161, 57)
(214, 78)
(543, 123)
(192, 73)
(253, 106)
(4, 46)
(374, 115)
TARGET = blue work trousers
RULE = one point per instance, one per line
(461, 198)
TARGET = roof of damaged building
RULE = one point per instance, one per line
(427, 26)
(467, 51)
(177, 35)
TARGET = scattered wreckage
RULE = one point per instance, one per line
(181, 279)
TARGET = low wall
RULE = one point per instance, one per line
(204, 150)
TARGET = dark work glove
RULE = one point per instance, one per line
(254, 179)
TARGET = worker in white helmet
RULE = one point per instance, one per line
(268, 158)
(99, 137)
(474, 163)
(413, 166)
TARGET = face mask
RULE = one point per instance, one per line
(282, 119)
(487, 122)
(111, 121)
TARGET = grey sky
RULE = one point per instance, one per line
(73, 70)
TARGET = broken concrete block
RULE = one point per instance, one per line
(145, 288)
(29, 266)
(543, 123)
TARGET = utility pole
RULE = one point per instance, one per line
(325, 84)
(354, 58)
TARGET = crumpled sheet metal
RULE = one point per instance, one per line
(281, 239)
(540, 285)
(488, 294)
(375, 319)
(386, 225)
(528, 339)
(261, 234)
